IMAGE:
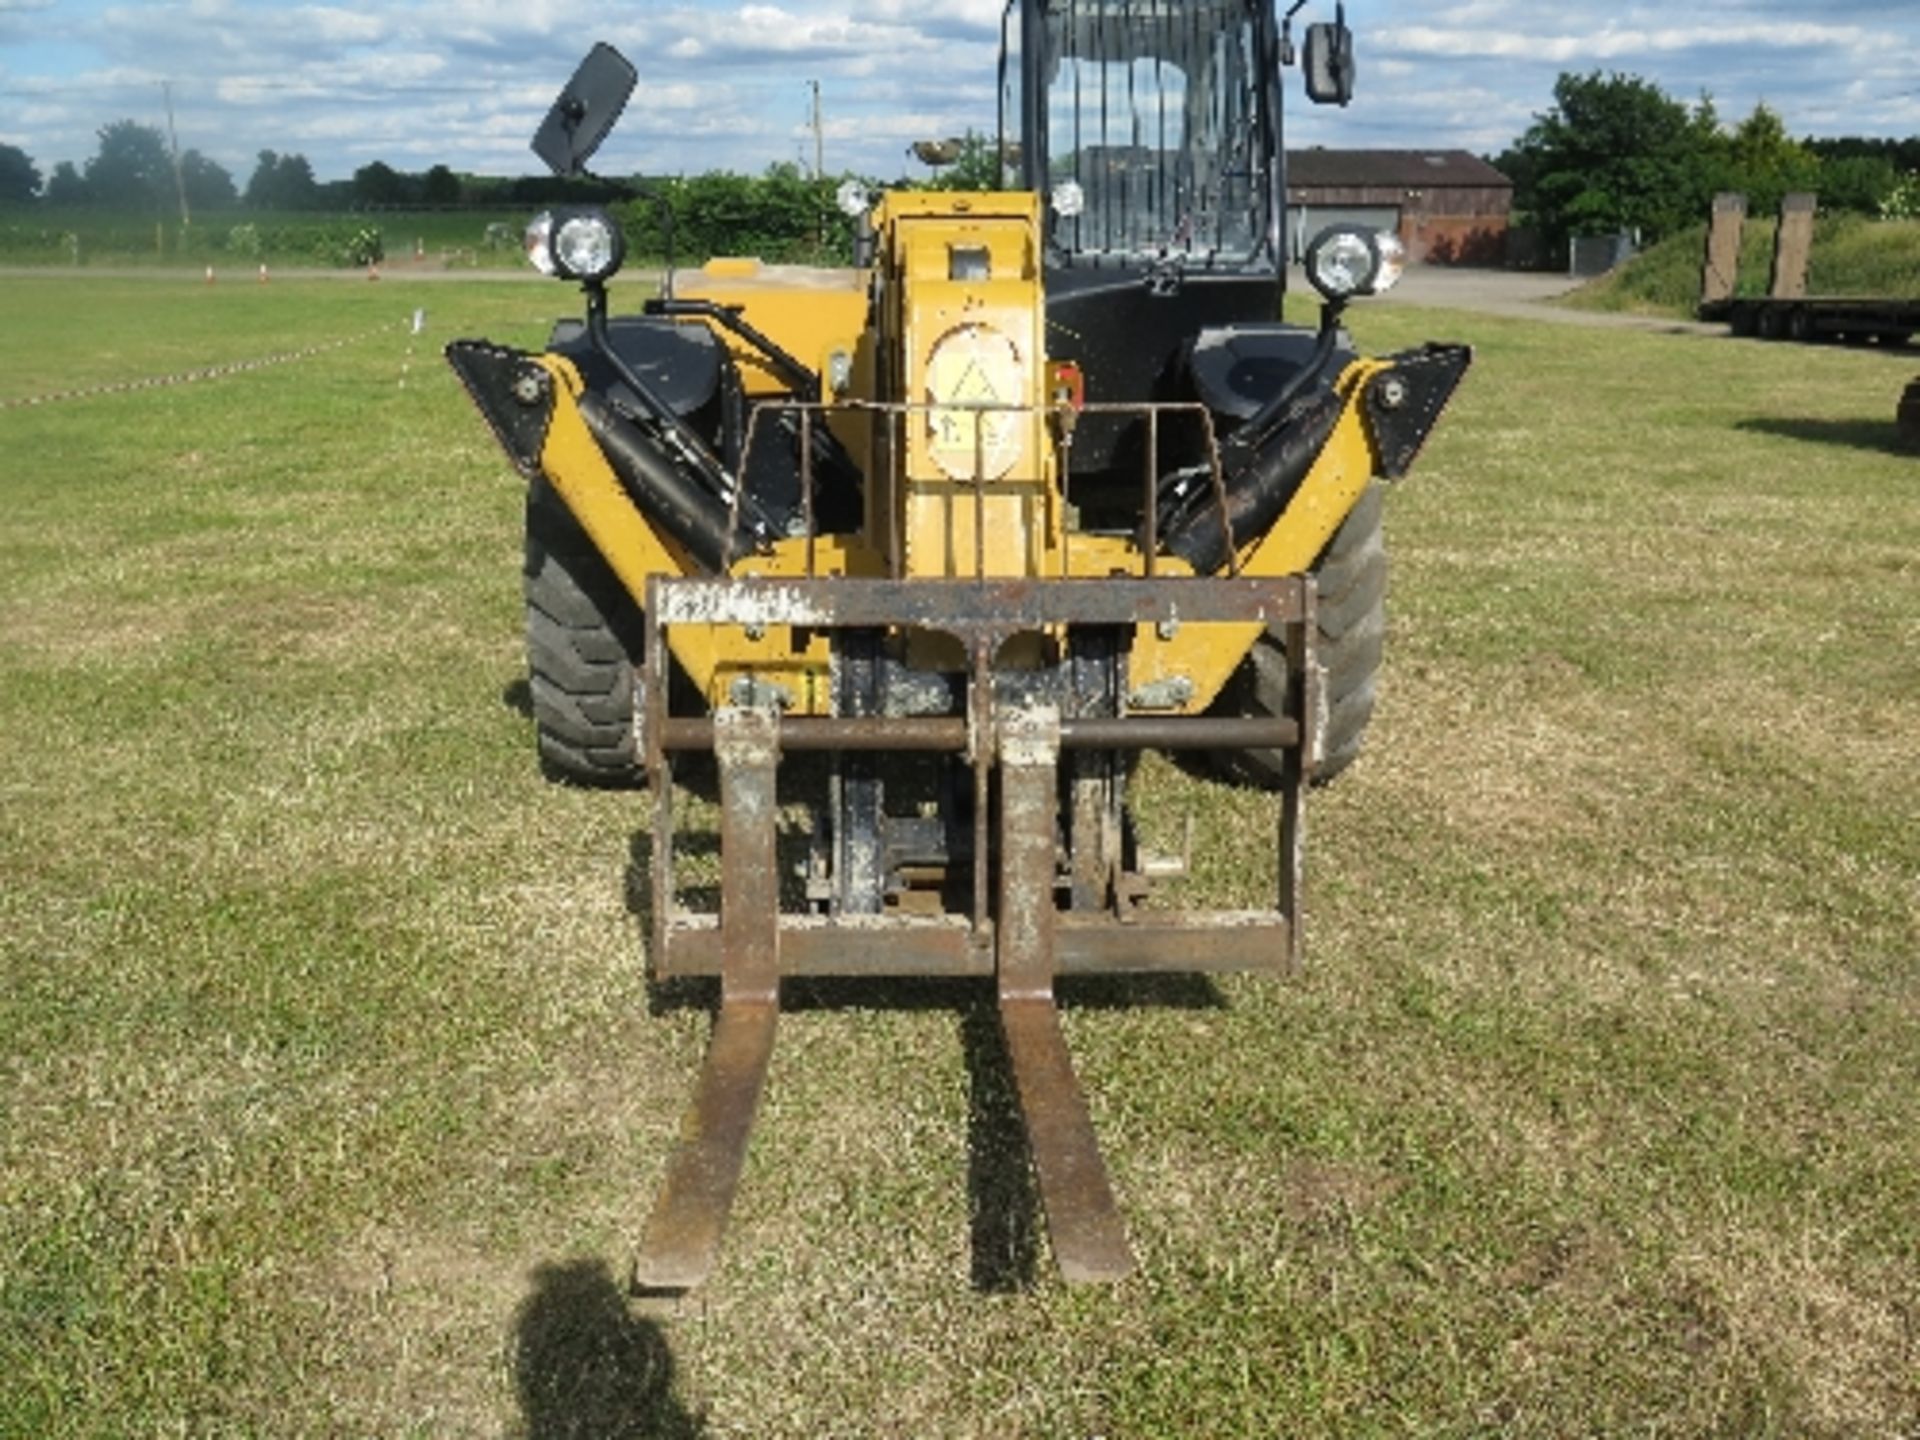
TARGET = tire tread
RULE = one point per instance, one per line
(583, 652)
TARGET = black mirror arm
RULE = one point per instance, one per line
(1287, 53)
(622, 189)
(659, 413)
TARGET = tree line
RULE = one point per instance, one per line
(132, 168)
(780, 214)
(1613, 153)
(1617, 153)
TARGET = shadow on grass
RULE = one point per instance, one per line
(1879, 437)
(1003, 1208)
(586, 1368)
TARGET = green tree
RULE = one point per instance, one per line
(975, 166)
(19, 176)
(1903, 201)
(779, 216)
(1902, 155)
(1860, 183)
(1617, 153)
(260, 187)
(207, 184)
(298, 189)
(282, 182)
(378, 183)
(66, 186)
(440, 187)
(132, 167)
(1765, 163)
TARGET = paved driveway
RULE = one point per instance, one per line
(1522, 294)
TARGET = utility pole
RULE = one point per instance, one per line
(819, 143)
(173, 140)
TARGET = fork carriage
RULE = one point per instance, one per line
(1043, 886)
(1024, 869)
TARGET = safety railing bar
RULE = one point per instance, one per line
(1151, 508)
(980, 498)
(806, 488)
(740, 482)
(1220, 491)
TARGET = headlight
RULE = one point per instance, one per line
(1393, 261)
(1344, 260)
(852, 197)
(575, 244)
(539, 242)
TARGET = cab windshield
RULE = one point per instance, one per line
(1153, 108)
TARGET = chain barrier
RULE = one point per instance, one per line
(208, 372)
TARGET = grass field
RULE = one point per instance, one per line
(52, 235)
(334, 1094)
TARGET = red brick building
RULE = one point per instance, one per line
(1449, 207)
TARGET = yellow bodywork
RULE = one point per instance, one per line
(944, 394)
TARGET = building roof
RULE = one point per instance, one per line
(1412, 169)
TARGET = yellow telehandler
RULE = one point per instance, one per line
(1040, 482)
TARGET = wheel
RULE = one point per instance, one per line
(1770, 324)
(583, 651)
(1907, 417)
(1800, 325)
(1351, 621)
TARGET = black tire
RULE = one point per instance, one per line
(1351, 621)
(1907, 417)
(583, 651)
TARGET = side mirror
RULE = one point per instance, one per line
(585, 111)
(1329, 64)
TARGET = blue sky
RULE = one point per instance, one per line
(726, 85)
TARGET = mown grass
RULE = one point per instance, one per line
(335, 1093)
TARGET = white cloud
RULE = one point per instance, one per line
(341, 27)
(1616, 42)
(723, 84)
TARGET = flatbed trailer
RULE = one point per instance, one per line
(1817, 317)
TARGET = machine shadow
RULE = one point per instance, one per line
(585, 1367)
(1003, 1205)
(1875, 436)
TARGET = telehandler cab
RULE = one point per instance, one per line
(1041, 482)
